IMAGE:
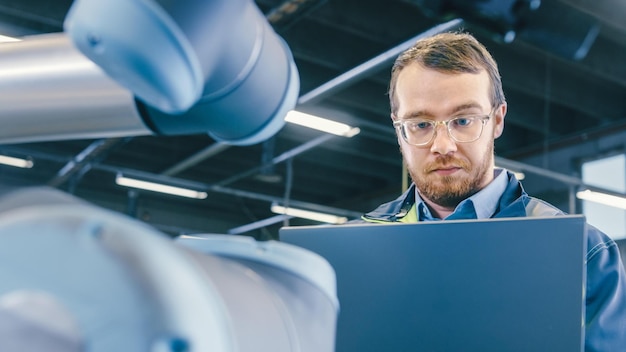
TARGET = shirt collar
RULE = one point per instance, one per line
(481, 205)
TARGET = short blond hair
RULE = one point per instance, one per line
(453, 52)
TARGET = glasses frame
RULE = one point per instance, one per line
(400, 125)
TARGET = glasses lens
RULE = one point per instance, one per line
(461, 129)
(466, 129)
(418, 132)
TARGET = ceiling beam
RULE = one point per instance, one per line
(550, 79)
(609, 11)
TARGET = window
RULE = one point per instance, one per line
(608, 173)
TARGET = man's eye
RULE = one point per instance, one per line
(463, 121)
(420, 125)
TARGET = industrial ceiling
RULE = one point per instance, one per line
(563, 67)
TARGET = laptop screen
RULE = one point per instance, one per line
(468, 285)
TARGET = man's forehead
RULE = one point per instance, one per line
(419, 88)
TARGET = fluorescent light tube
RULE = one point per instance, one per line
(321, 124)
(158, 187)
(602, 198)
(307, 214)
(4, 39)
(17, 162)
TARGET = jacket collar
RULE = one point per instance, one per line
(394, 210)
(512, 203)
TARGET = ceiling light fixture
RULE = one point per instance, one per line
(17, 162)
(308, 214)
(158, 187)
(602, 198)
(321, 124)
(5, 39)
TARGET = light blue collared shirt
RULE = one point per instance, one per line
(481, 205)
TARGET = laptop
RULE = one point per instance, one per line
(511, 285)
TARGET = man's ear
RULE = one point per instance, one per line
(498, 117)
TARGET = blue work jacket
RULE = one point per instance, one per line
(605, 298)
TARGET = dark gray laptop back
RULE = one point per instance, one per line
(478, 285)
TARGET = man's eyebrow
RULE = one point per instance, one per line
(466, 106)
(426, 114)
(416, 115)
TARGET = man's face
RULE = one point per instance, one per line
(446, 171)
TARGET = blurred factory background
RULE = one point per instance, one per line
(563, 67)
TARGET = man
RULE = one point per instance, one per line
(448, 107)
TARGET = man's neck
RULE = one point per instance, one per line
(441, 212)
(438, 211)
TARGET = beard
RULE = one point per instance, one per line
(449, 191)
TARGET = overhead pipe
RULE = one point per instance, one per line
(377, 62)
(83, 160)
(565, 179)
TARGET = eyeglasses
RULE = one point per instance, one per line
(463, 129)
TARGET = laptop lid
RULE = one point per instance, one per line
(467, 285)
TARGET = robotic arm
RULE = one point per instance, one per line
(75, 277)
(139, 67)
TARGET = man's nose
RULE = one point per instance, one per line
(442, 142)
